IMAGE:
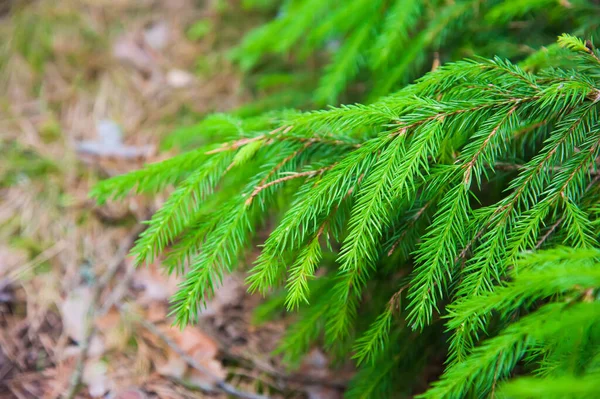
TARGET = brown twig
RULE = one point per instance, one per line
(394, 303)
(526, 129)
(278, 134)
(219, 383)
(308, 173)
(89, 326)
(316, 139)
(514, 166)
(283, 162)
(410, 224)
(471, 164)
(241, 142)
(562, 218)
(442, 115)
(465, 251)
(549, 232)
(436, 61)
(589, 48)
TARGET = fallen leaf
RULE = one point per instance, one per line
(231, 291)
(156, 36)
(173, 366)
(156, 312)
(113, 330)
(109, 320)
(155, 284)
(194, 342)
(201, 379)
(130, 394)
(110, 144)
(96, 378)
(198, 346)
(127, 50)
(74, 312)
(178, 78)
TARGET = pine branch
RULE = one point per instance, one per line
(418, 176)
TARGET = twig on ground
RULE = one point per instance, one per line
(220, 384)
(119, 291)
(288, 378)
(89, 326)
(46, 255)
(255, 362)
(89, 331)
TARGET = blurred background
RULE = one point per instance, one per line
(88, 89)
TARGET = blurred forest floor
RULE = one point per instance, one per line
(87, 90)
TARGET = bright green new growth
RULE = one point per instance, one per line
(424, 198)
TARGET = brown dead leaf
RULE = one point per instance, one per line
(155, 284)
(194, 342)
(156, 35)
(156, 312)
(95, 376)
(128, 49)
(231, 291)
(200, 379)
(197, 346)
(61, 377)
(316, 365)
(115, 333)
(130, 394)
(74, 311)
(174, 366)
(108, 321)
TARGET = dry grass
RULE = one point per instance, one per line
(65, 66)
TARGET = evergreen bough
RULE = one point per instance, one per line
(409, 227)
(321, 52)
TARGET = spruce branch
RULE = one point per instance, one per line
(419, 176)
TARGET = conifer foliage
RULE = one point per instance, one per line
(384, 44)
(400, 226)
